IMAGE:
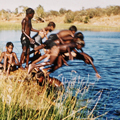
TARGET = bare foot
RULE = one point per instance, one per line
(31, 66)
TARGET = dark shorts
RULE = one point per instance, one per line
(38, 40)
(53, 37)
(49, 44)
(25, 41)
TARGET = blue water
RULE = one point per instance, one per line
(104, 47)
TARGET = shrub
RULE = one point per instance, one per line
(78, 18)
(69, 18)
(40, 11)
(86, 19)
(54, 13)
(62, 11)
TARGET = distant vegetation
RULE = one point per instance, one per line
(83, 15)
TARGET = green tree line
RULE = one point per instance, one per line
(83, 15)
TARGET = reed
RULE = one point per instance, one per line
(22, 98)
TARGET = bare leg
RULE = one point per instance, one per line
(22, 57)
(53, 56)
(5, 63)
(40, 58)
(27, 59)
(58, 64)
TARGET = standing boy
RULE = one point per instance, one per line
(26, 40)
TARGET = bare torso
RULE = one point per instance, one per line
(26, 25)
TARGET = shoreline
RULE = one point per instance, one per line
(83, 27)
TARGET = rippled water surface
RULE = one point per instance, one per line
(104, 47)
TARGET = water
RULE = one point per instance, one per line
(104, 47)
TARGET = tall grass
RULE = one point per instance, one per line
(22, 98)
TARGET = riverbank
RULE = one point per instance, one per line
(82, 27)
(106, 23)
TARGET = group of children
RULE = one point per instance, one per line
(58, 48)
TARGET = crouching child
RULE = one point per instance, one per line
(10, 60)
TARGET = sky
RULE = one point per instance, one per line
(73, 5)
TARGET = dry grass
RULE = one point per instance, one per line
(22, 98)
(105, 23)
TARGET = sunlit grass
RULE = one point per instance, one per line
(22, 98)
(82, 27)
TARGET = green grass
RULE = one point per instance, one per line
(83, 27)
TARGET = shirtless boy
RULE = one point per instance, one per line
(41, 79)
(85, 57)
(62, 34)
(25, 37)
(39, 36)
(10, 58)
(56, 50)
(65, 36)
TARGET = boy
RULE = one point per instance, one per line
(10, 58)
(85, 57)
(39, 36)
(65, 36)
(55, 51)
(64, 33)
(25, 37)
(41, 78)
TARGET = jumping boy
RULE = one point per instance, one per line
(39, 36)
(62, 37)
(83, 56)
(64, 33)
(25, 37)
(55, 51)
(10, 59)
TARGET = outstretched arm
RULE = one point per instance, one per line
(39, 47)
(97, 74)
(34, 30)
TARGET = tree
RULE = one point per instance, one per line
(16, 10)
(40, 11)
(62, 11)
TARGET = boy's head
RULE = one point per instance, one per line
(79, 39)
(80, 43)
(73, 28)
(79, 35)
(30, 12)
(52, 25)
(9, 47)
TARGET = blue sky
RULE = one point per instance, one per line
(57, 4)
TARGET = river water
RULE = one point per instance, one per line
(104, 47)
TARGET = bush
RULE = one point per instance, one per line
(54, 13)
(86, 19)
(62, 11)
(78, 18)
(40, 11)
(69, 18)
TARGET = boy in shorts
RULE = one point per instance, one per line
(26, 40)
